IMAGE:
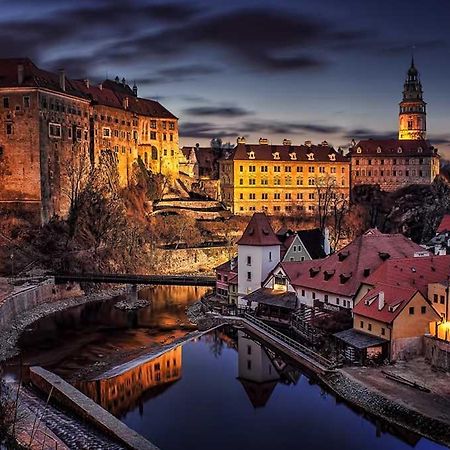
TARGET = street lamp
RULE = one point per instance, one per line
(12, 264)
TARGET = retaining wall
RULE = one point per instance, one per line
(437, 353)
(28, 298)
(71, 398)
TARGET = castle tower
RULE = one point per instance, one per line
(412, 117)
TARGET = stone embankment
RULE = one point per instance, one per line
(345, 387)
(10, 333)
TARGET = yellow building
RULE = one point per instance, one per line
(282, 179)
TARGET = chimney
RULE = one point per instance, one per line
(240, 140)
(86, 82)
(125, 103)
(380, 300)
(20, 74)
(135, 90)
(324, 144)
(123, 81)
(308, 143)
(100, 86)
(62, 80)
(353, 144)
(263, 141)
(287, 142)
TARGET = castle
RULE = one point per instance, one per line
(47, 120)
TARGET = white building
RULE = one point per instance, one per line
(259, 252)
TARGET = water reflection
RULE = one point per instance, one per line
(122, 393)
(91, 335)
(260, 369)
(234, 391)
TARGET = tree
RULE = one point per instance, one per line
(332, 207)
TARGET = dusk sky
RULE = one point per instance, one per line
(299, 69)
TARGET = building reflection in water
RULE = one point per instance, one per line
(122, 393)
(260, 369)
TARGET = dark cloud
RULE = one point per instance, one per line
(204, 130)
(367, 133)
(221, 111)
(209, 130)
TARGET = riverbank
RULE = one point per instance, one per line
(10, 335)
(363, 395)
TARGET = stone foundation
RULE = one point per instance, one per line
(437, 353)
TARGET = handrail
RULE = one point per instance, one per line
(302, 348)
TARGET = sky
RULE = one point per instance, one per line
(296, 69)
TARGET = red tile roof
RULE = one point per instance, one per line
(112, 94)
(259, 232)
(390, 147)
(342, 272)
(393, 300)
(415, 273)
(444, 225)
(34, 77)
(265, 152)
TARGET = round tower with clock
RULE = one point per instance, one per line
(412, 117)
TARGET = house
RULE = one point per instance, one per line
(428, 274)
(226, 280)
(392, 320)
(259, 251)
(440, 243)
(262, 248)
(304, 245)
(331, 283)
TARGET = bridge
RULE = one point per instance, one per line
(171, 280)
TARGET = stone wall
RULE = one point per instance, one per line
(406, 348)
(71, 398)
(28, 298)
(191, 260)
(437, 353)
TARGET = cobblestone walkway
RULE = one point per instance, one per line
(74, 433)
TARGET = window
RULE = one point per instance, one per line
(54, 130)
(171, 125)
(411, 310)
(249, 260)
(106, 132)
(303, 292)
(369, 327)
(249, 349)
(241, 168)
(287, 168)
(9, 129)
(6, 102)
(249, 276)
(299, 196)
(311, 169)
(277, 196)
(270, 256)
(288, 196)
(164, 125)
(264, 168)
(361, 324)
(325, 297)
(249, 364)
(299, 169)
(383, 331)
(26, 101)
(442, 300)
(311, 195)
(276, 168)
(153, 135)
(314, 295)
(423, 309)
(264, 196)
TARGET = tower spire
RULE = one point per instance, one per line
(412, 117)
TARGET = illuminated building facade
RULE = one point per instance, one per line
(281, 179)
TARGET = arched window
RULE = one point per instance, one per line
(154, 153)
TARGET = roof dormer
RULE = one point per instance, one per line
(310, 156)
(276, 155)
(251, 154)
(332, 156)
(359, 150)
(399, 150)
(293, 156)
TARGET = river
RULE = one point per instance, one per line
(223, 390)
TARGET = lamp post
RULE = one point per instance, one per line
(12, 264)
